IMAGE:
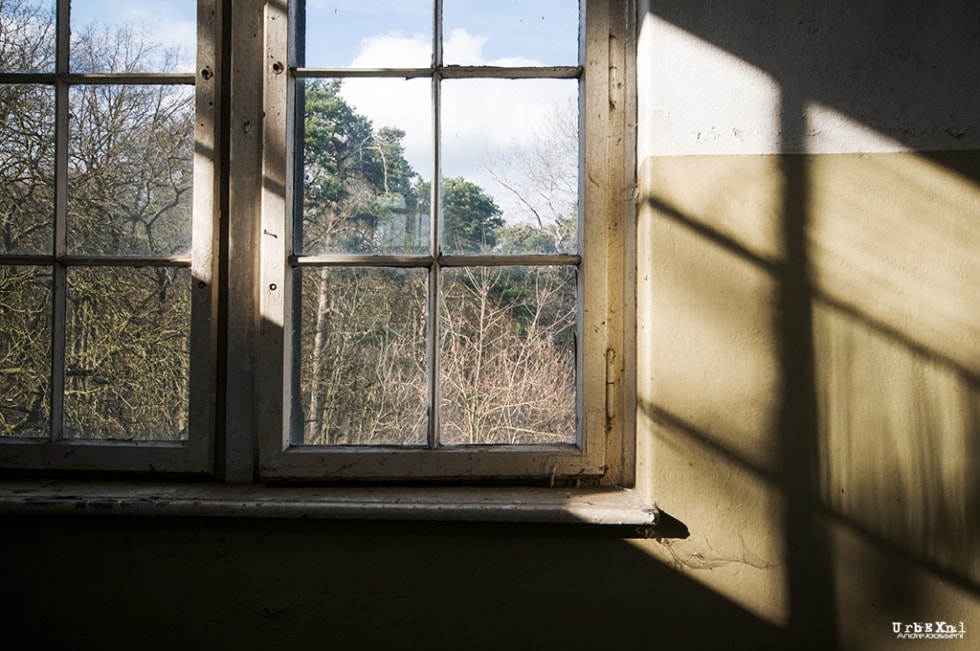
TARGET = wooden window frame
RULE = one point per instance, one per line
(195, 454)
(604, 453)
(237, 423)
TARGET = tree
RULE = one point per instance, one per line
(508, 355)
(357, 184)
(26, 204)
(507, 334)
(129, 179)
(541, 179)
(26, 36)
(362, 333)
(471, 219)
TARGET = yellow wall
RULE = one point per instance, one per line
(809, 309)
(809, 355)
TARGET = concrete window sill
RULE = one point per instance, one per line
(614, 507)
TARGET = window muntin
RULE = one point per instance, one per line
(106, 235)
(526, 270)
(31, 262)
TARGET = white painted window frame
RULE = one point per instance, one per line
(195, 455)
(237, 426)
(604, 452)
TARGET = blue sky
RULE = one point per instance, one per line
(171, 23)
(544, 31)
(482, 120)
(398, 33)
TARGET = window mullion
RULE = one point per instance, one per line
(433, 352)
(59, 269)
(437, 34)
(435, 247)
(435, 274)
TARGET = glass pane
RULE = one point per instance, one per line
(130, 170)
(511, 32)
(127, 360)
(25, 351)
(366, 142)
(527, 164)
(26, 168)
(133, 36)
(27, 40)
(508, 355)
(361, 366)
(354, 33)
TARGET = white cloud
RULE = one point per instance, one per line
(462, 46)
(166, 22)
(180, 34)
(479, 116)
(393, 50)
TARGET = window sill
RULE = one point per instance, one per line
(613, 507)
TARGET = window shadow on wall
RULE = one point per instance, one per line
(876, 430)
(355, 585)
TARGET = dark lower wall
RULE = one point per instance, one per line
(125, 582)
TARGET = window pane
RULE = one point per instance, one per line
(27, 42)
(366, 142)
(25, 351)
(508, 355)
(26, 168)
(131, 36)
(361, 366)
(127, 353)
(511, 32)
(354, 33)
(527, 164)
(130, 170)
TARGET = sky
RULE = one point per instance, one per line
(541, 30)
(480, 118)
(171, 23)
(398, 33)
(476, 123)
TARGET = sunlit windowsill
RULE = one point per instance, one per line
(592, 506)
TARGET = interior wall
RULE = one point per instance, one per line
(808, 396)
(107, 582)
(808, 308)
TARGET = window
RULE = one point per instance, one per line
(253, 241)
(451, 329)
(106, 219)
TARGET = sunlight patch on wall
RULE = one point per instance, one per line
(830, 132)
(893, 241)
(701, 99)
(894, 237)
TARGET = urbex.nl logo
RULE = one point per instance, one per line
(928, 630)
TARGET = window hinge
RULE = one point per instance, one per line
(611, 376)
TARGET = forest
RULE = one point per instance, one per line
(367, 338)
(127, 183)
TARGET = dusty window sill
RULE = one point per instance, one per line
(614, 507)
